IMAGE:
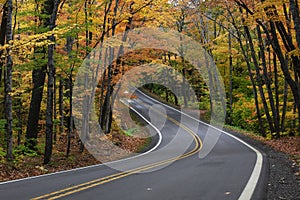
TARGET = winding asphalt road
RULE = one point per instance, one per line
(183, 165)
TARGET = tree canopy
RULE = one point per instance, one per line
(255, 45)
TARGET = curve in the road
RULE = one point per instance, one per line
(225, 173)
(97, 182)
(254, 178)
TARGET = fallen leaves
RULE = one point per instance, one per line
(31, 166)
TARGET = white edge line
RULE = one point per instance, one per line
(253, 180)
(98, 165)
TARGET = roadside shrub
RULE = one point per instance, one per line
(244, 115)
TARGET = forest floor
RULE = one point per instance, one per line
(26, 166)
(289, 145)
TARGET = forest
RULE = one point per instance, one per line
(255, 45)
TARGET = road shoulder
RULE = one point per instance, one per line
(281, 181)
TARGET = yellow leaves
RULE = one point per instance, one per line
(16, 93)
(291, 115)
(2, 2)
(295, 53)
(269, 4)
(25, 47)
(4, 47)
(265, 11)
(41, 168)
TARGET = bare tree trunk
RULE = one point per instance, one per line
(54, 109)
(102, 116)
(70, 132)
(50, 7)
(184, 86)
(268, 84)
(292, 83)
(107, 101)
(276, 27)
(70, 42)
(277, 101)
(102, 98)
(239, 38)
(259, 80)
(284, 106)
(85, 114)
(19, 116)
(61, 104)
(38, 80)
(49, 111)
(8, 85)
(229, 118)
(87, 98)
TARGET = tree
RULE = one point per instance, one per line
(8, 83)
(275, 31)
(38, 80)
(50, 9)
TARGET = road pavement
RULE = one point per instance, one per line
(182, 166)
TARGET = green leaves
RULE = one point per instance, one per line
(130, 132)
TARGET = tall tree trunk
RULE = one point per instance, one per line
(285, 96)
(85, 114)
(254, 90)
(69, 47)
(289, 46)
(277, 101)
(87, 98)
(102, 97)
(276, 27)
(268, 83)
(54, 109)
(8, 85)
(19, 116)
(61, 105)
(259, 80)
(49, 111)
(107, 101)
(229, 118)
(104, 27)
(184, 86)
(71, 124)
(50, 8)
(38, 79)
(284, 67)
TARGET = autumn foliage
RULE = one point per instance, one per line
(255, 45)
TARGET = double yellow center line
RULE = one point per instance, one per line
(90, 184)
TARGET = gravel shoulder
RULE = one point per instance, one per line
(283, 161)
(283, 180)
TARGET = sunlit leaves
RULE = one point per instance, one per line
(24, 47)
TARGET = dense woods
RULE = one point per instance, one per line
(255, 45)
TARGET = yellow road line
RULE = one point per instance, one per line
(97, 182)
(116, 178)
